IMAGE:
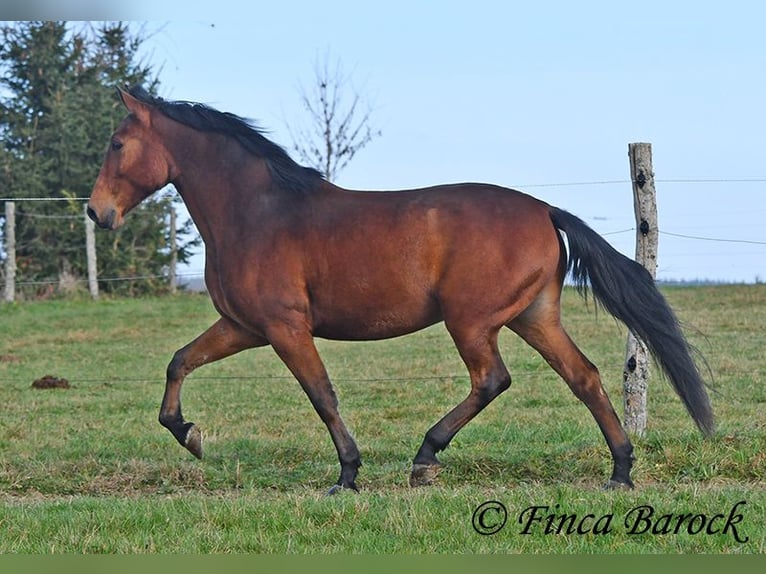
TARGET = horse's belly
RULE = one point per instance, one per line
(371, 320)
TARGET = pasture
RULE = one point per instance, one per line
(88, 469)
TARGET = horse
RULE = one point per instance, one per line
(291, 257)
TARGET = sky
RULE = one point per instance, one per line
(542, 96)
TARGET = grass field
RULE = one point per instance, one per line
(89, 470)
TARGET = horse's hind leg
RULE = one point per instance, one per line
(489, 378)
(221, 340)
(539, 326)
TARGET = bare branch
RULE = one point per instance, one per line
(337, 129)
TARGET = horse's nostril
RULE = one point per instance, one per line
(106, 221)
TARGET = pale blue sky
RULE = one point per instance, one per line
(515, 93)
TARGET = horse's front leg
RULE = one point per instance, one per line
(224, 338)
(296, 348)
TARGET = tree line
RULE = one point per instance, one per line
(57, 109)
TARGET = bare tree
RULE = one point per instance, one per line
(338, 123)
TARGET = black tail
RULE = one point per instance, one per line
(627, 291)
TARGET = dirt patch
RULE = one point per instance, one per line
(50, 382)
(10, 359)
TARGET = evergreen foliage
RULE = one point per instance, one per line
(58, 107)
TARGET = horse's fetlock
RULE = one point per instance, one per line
(170, 421)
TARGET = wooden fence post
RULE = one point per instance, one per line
(10, 251)
(636, 369)
(172, 277)
(90, 251)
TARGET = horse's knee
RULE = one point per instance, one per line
(490, 387)
(176, 369)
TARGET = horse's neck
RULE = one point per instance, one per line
(216, 182)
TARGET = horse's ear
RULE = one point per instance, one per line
(134, 105)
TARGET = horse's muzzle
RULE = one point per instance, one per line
(106, 222)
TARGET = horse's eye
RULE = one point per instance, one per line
(116, 145)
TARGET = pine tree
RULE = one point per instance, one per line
(58, 107)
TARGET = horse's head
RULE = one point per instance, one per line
(136, 165)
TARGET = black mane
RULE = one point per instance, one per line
(285, 171)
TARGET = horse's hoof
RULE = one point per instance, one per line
(617, 485)
(338, 488)
(193, 442)
(424, 474)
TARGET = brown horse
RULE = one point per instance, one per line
(291, 257)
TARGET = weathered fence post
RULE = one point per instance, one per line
(90, 250)
(636, 369)
(172, 278)
(10, 251)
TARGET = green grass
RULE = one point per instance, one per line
(89, 469)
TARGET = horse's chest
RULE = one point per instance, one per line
(251, 295)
